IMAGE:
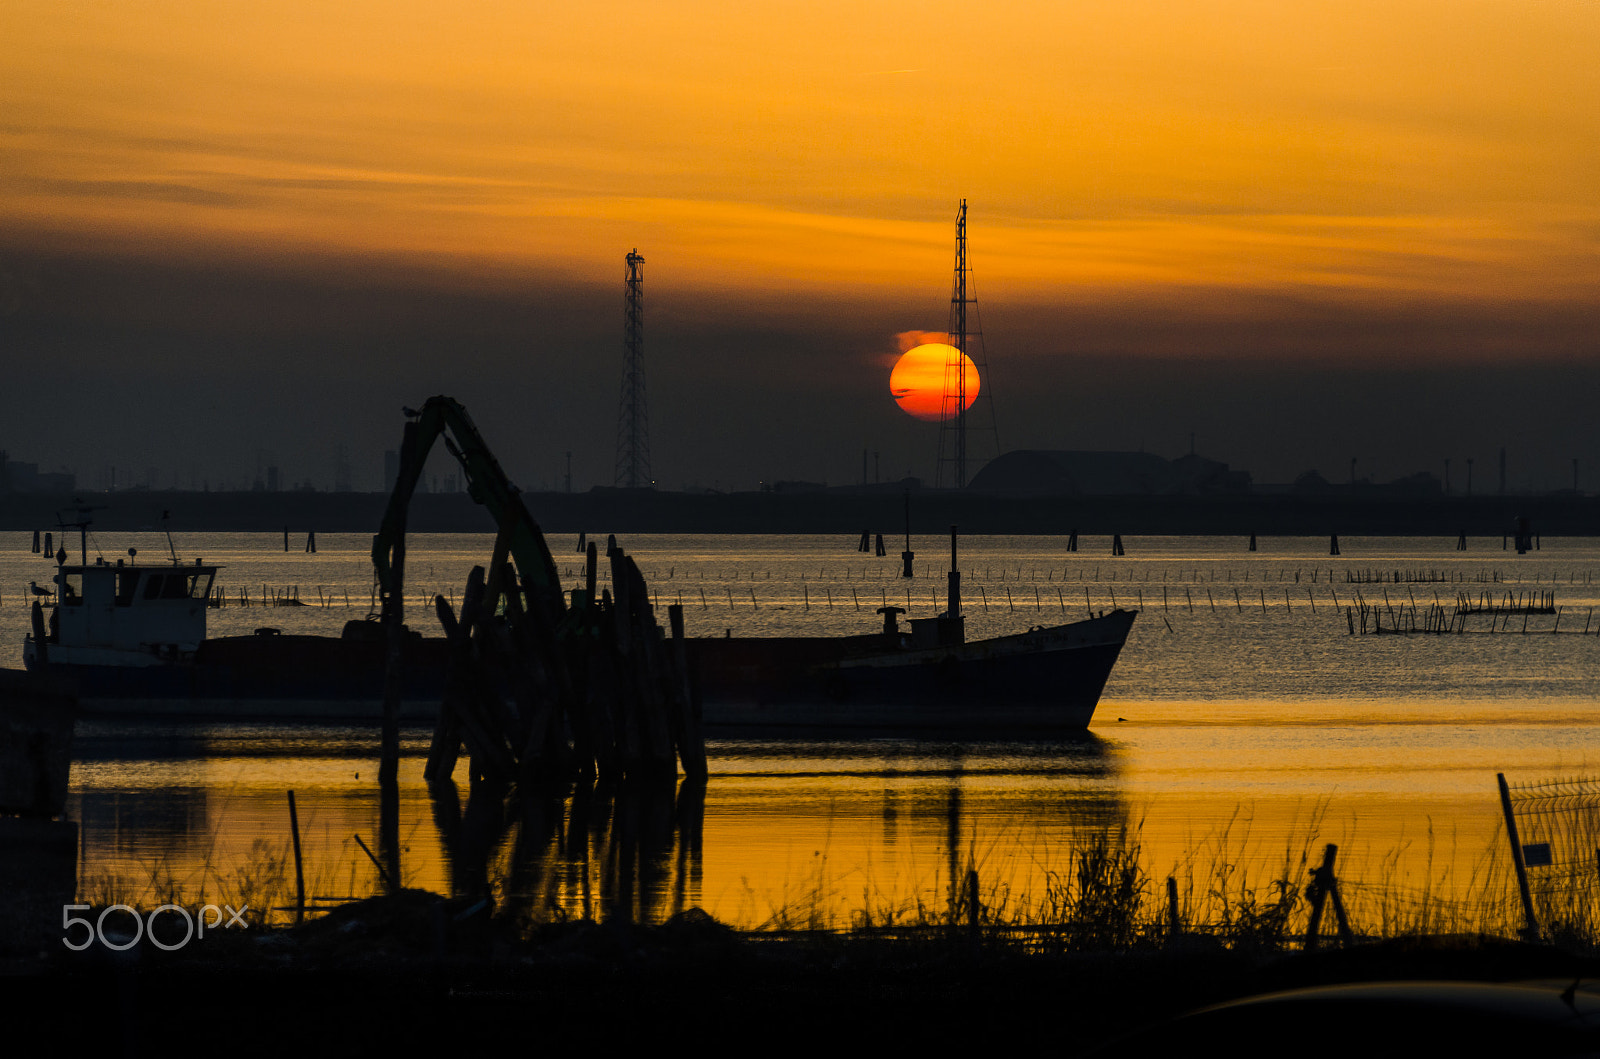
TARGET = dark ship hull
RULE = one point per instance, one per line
(1044, 680)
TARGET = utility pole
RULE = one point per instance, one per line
(633, 419)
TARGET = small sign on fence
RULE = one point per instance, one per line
(1537, 855)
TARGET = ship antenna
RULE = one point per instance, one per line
(82, 526)
(165, 515)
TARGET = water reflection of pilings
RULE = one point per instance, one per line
(175, 820)
(1093, 816)
(625, 852)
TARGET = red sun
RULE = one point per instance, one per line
(926, 374)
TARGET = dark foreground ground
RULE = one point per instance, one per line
(405, 976)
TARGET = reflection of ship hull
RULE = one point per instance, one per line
(1046, 679)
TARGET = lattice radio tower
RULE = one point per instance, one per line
(966, 341)
(633, 419)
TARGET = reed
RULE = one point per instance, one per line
(1231, 890)
(1105, 900)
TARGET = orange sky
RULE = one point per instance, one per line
(1398, 149)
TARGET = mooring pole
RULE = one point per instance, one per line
(299, 868)
(908, 555)
(1531, 927)
(954, 610)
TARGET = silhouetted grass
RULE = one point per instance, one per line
(1107, 899)
(1102, 895)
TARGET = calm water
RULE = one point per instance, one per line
(1243, 724)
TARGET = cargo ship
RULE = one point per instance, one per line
(133, 640)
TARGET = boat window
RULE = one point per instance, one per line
(200, 586)
(126, 581)
(167, 586)
(71, 589)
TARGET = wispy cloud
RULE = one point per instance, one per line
(137, 190)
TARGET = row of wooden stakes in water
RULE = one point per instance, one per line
(1024, 574)
(1540, 602)
(285, 596)
(1438, 618)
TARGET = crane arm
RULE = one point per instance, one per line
(487, 484)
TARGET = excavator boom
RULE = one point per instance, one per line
(487, 484)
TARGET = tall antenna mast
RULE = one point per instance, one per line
(966, 339)
(633, 419)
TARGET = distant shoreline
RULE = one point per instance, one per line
(843, 511)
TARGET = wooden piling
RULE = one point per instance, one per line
(690, 733)
(1325, 885)
(630, 740)
(907, 556)
(464, 716)
(299, 867)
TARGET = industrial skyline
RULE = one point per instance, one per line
(1303, 234)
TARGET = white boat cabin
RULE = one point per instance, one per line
(125, 614)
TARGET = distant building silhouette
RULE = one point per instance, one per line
(19, 477)
(1044, 472)
(1312, 483)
